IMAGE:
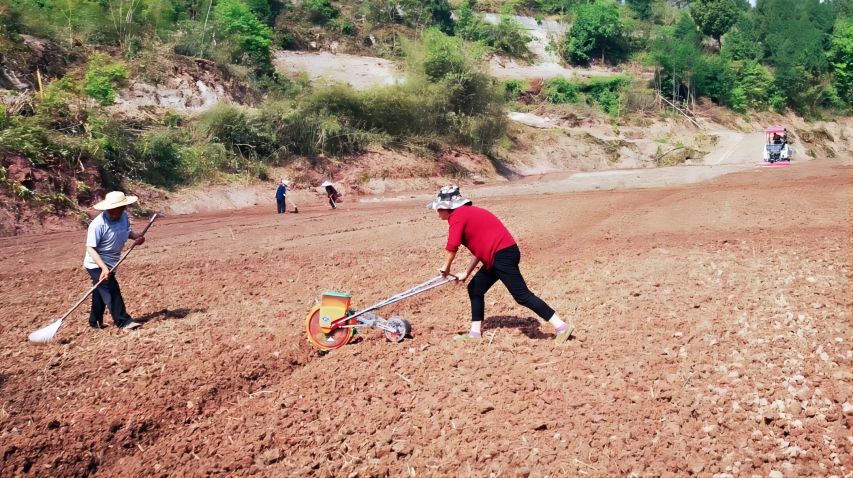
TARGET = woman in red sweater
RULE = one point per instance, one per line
(492, 244)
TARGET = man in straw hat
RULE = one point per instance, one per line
(281, 197)
(491, 243)
(105, 239)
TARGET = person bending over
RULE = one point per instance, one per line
(492, 244)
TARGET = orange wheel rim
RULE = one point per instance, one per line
(337, 338)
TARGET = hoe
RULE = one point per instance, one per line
(332, 323)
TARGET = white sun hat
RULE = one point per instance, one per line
(326, 183)
(115, 199)
(449, 197)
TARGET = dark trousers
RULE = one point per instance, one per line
(333, 196)
(280, 203)
(505, 268)
(108, 294)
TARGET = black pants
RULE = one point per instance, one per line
(108, 294)
(505, 269)
(280, 203)
(333, 196)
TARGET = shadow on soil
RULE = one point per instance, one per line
(164, 314)
(529, 326)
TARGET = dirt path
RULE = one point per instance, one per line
(713, 336)
(359, 71)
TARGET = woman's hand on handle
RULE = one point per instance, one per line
(471, 266)
(448, 261)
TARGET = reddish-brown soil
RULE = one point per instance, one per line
(713, 336)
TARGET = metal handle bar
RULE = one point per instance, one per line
(430, 284)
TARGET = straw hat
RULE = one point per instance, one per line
(449, 198)
(326, 183)
(285, 181)
(115, 199)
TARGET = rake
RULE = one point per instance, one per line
(46, 333)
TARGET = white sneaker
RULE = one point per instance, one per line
(131, 325)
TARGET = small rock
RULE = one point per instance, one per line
(847, 409)
(697, 466)
(775, 474)
(270, 456)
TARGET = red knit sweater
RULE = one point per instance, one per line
(478, 230)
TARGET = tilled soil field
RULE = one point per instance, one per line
(713, 337)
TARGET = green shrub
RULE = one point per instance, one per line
(312, 134)
(102, 78)
(343, 25)
(607, 92)
(514, 88)
(193, 38)
(443, 56)
(714, 78)
(508, 36)
(557, 6)
(249, 36)
(596, 31)
(320, 11)
(23, 138)
(54, 107)
(243, 134)
(753, 87)
(560, 90)
(160, 153)
(203, 161)
(413, 13)
(110, 144)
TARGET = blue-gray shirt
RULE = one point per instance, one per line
(108, 238)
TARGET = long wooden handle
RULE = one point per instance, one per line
(123, 257)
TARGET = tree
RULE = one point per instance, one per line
(251, 38)
(677, 52)
(742, 43)
(557, 6)
(753, 87)
(841, 59)
(320, 11)
(414, 13)
(714, 78)
(714, 17)
(597, 30)
(441, 14)
(643, 8)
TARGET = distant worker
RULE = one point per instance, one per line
(104, 241)
(332, 193)
(281, 197)
(777, 139)
(491, 243)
